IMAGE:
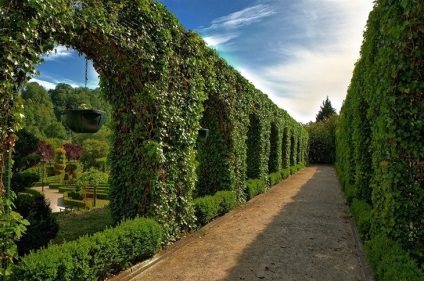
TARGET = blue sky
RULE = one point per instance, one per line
(298, 52)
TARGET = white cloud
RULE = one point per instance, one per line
(58, 52)
(45, 84)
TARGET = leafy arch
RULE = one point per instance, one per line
(145, 60)
(163, 83)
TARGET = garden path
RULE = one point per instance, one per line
(298, 230)
(54, 197)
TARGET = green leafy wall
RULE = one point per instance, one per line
(163, 84)
(380, 152)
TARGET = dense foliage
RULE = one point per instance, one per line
(163, 84)
(380, 152)
(322, 140)
(24, 155)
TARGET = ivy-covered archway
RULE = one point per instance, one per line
(163, 83)
(146, 63)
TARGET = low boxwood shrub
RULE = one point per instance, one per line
(285, 173)
(76, 195)
(66, 189)
(209, 207)
(55, 185)
(40, 183)
(72, 202)
(361, 212)
(274, 178)
(94, 257)
(254, 187)
(206, 208)
(31, 191)
(227, 201)
(389, 261)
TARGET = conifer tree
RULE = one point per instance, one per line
(325, 111)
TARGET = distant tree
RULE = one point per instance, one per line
(325, 111)
(92, 150)
(102, 135)
(56, 130)
(25, 148)
(322, 140)
(73, 152)
(46, 151)
(39, 115)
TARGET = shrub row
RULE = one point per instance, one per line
(209, 207)
(390, 261)
(73, 202)
(95, 257)
(255, 187)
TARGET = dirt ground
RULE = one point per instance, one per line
(298, 230)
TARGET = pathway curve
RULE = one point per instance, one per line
(298, 230)
(53, 196)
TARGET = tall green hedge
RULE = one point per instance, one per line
(163, 84)
(380, 152)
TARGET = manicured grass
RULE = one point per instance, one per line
(79, 223)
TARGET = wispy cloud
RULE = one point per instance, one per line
(224, 29)
(244, 17)
(219, 39)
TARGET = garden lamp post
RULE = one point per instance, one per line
(43, 161)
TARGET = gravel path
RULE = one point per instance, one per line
(53, 196)
(298, 230)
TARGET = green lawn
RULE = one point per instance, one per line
(79, 223)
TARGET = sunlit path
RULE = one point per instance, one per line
(298, 230)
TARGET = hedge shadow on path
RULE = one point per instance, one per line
(309, 239)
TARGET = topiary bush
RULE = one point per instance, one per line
(43, 225)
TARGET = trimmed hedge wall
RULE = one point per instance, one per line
(380, 152)
(163, 83)
(94, 257)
